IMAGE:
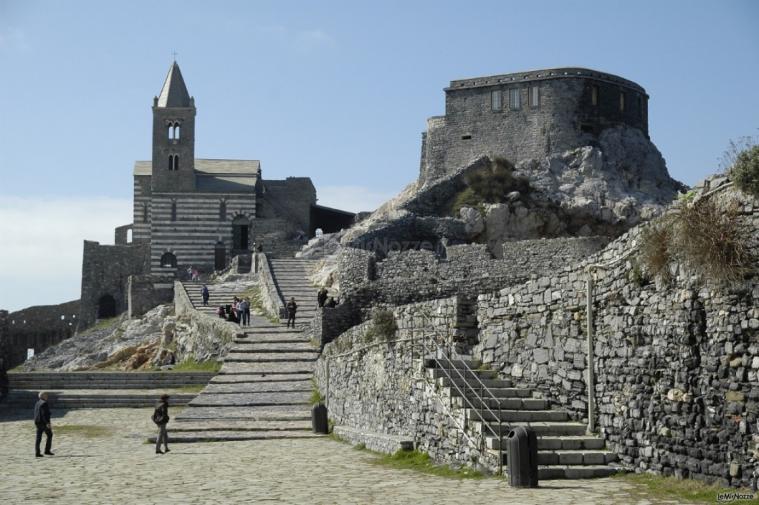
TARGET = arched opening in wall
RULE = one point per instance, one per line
(106, 307)
(168, 260)
(176, 162)
(240, 232)
(177, 131)
(129, 236)
(170, 132)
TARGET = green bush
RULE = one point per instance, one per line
(490, 184)
(745, 171)
(383, 324)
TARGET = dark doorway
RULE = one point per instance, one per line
(220, 256)
(168, 260)
(106, 307)
(329, 220)
(240, 231)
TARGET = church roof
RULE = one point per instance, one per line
(174, 92)
(225, 176)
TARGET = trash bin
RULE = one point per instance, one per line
(522, 447)
(319, 419)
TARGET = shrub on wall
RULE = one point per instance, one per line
(383, 325)
(490, 184)
(745, 171)
(703, 236)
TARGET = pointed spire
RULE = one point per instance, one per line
(174, 92)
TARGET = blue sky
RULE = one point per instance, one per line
(338, 91)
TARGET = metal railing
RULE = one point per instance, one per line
(482, 397)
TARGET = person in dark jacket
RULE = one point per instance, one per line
(291, 307)
(205, 294)
(43, 424)
(161, 418)
(331, 304)
(321, 297)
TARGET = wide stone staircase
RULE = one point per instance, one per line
(263, 389)
(491, 406)
(219, 294)
(74, 390)
(291, 277)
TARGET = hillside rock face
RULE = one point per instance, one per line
(600, 189)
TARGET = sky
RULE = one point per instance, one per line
(336, 91)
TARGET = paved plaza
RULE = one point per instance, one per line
(119, 467)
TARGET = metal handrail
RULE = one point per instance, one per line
(479, 397)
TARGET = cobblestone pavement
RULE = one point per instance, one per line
(120, 468)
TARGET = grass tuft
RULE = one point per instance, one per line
(192, 365)
(421, 462)
(682, 490)
(83, 430)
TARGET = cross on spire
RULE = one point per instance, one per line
(175, 55)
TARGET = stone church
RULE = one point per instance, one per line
(195, 213)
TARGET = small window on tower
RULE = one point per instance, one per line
(515, 99)
(495, 100)
(176, 162)
(170, 132)
(594, 95)
(171, 162)
(177, 131)
(534, 96)
(621, 102)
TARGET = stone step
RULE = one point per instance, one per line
(258, 387)
(552, 472)
(239, 425)
(270, 357)
(185, 377)
(542, 428)
(553, 443)
(260, 378)
(270, 329)
(504, 403)
(246, 345)
(231, 436)
(299, 367)
(268, 413)
(518, 415)
(494, 385)
(462, 374)
(278, 398)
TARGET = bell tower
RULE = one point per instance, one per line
(173, 136)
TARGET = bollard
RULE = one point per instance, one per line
(319, 419)
(523, 457)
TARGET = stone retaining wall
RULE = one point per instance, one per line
(676, 365)
(270, 296)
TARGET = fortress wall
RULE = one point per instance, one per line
(105, 271)
(198, 226)
(677, 365)
(38, 328)
(564, 118)
(290, 199)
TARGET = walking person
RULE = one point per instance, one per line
(4, 384)
(43, 424)
(321, 297)
(161, 418)
(205, 294)
(246, 313)
(292, 307)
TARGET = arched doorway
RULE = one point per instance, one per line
(106, 307)
(240, 233)
(168, 260)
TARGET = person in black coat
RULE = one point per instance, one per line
(321, 297)
(42, 422)
(161, 419)
(291, 307)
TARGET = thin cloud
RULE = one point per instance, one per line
(41, 253)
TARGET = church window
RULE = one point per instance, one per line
(144, 212)
(171, 162)
(170, 133)
(222, 211)
(514, 99)
(173, 210)
(594, 95)
(621, 102)
(177, 131)
(534, 96)
(176, 162)
(495, 100)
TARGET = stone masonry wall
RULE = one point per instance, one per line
(382, 390)
(145, 292)
(38, 328)
(676, 365)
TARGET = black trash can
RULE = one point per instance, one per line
(522, 447)
(319, 419)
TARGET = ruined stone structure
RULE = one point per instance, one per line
(528, 115)
(196, 213)
(36, 328)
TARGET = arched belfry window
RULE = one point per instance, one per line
(170, 132)
(176, 162)
(177, 130)
(173, 131)
(173, 162)
(222, 210)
